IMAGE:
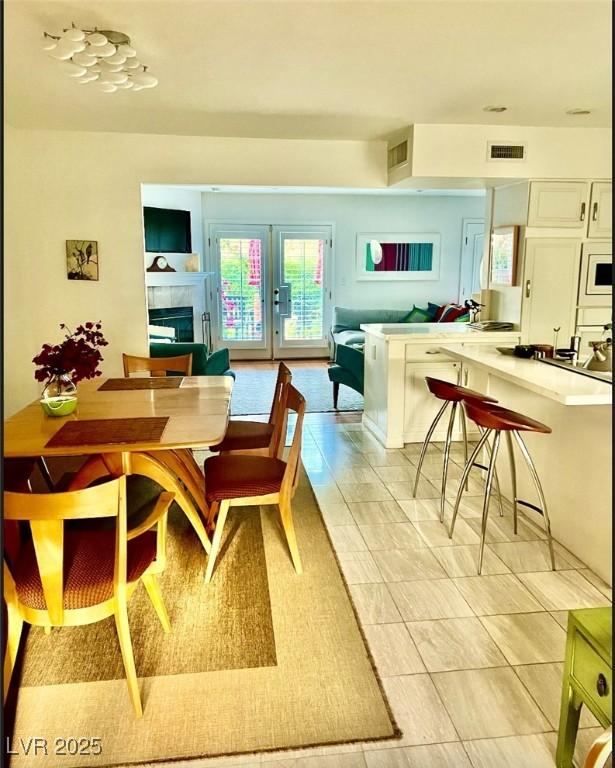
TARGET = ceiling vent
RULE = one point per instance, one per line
(398, 155)
(505, 151)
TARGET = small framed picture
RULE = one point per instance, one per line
(504, 245)
(82, 259)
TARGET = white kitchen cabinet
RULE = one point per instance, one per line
(421, 406)
(398, 407)
(550, 284)
(558, 204)
(601, 210)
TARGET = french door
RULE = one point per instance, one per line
(272, 289)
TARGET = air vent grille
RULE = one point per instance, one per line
(505, 151)
(398, 154)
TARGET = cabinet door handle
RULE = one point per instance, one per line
(582, 211)
(528, 288)
(466, 373)
(601, 685)
(595, 212)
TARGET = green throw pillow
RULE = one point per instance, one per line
(417, 315)
(465, 318)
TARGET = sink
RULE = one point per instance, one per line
(606, 376)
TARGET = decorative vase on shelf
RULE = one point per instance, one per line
(59, 396)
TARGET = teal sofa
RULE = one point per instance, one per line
(347, 369)
(345, 328)
(203, 364)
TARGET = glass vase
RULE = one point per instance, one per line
(59, 396)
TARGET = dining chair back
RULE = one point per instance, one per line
(71, 573)
(258, 438)
(238, 480)
(157, 366)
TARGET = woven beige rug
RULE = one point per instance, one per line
(284, 667)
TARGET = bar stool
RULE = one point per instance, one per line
(451, 394)
(495, 419)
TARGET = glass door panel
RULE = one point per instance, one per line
(300, 291)
(242, 256)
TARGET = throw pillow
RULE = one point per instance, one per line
(465, 318)
(439, 312)
(451, 313)
(432, 309)
(417, 315)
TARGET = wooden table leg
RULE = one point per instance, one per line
(148, 465)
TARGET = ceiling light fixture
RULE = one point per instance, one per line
(495, 109)
(97, 56)
(578, 111)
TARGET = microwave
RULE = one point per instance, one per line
(596, 278)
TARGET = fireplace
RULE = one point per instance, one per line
(180, 319)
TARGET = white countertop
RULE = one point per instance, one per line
(430, 331)
(555, 383)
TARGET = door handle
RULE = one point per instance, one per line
(582, 211)
(528, 288)
(595, 212)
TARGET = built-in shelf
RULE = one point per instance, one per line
(156, 279)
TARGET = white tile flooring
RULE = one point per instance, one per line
(472, 665)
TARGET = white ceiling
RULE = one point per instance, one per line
(342, 70)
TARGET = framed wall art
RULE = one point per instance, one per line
(82, 259)
(398, 256)
(504, 246)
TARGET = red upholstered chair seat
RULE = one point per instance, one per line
(245, 435)
(233, 476)
(89, 559)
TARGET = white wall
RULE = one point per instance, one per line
(551, 153)
(63, 185)
(159, 196)
(351, 214)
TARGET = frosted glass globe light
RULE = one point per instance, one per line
(145, 79)
(126, 50)
(73, 70)
(87, 78)
(107, 87)
(106, 67)
(116, 58)
(116, 77)
(106, 50)
(73, 35)
(96, 39)
(84, 59)
(49, 44)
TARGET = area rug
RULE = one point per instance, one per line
(253, 391)
(285, 666)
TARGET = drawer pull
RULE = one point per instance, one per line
(601, 685)
(433, 352)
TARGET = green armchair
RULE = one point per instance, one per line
(347, 369)
(216, 364)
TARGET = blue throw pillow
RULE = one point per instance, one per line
(432, 309)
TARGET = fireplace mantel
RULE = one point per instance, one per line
(164, 279)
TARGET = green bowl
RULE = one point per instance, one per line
(59, 406)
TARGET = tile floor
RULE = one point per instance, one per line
(471, 664)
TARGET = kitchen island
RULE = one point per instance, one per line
(573, 462)
(398, 408)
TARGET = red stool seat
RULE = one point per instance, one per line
(491, 416)
(445, 390)
(245, 435)
(234, 476)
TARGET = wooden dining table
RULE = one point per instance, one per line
(196, 414)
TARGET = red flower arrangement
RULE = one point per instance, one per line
(78, 355)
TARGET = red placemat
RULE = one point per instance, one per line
(150, 382)
(98, 431)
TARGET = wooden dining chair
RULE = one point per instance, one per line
(157, 366)
(236, 480)
(70, 574)
(257, 437)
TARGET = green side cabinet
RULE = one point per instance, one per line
(587, 676)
